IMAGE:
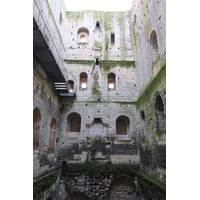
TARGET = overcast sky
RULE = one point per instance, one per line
(100, 5)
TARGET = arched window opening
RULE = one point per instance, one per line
(122, 125)
(142, 115)
(154, 45)
(52, 136)
(111, 81)
(83, 81)
(74, 122)
(36, 128)
(83, 35)
(63, 174)
(70, 86)
(97, 27)
(160, 114)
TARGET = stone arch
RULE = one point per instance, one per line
(52, 136)
(122, 188)
(63, 174)
(111, 81)
(74, 122)
(83, 80)
(122, 125)
(154, 45)
(77, 196)
(36, 129)
(83, 35)
(160, 116)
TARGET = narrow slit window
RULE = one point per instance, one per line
(112, 38)
(97, 61)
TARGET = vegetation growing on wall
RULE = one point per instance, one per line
(98, 16)
(156, 61)
(103, 169)
(95, 88)
(152, 188)
(106, 52)
(81, 62)
(107, 65)
(44, 182)
(97, 44)
(161, 75)
(107, 21)
(135, 40)
(74, 14)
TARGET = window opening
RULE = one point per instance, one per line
(83, 80)
(111, 81)
(112, 38)
(97, 61)
(160, 114)
(82, 38)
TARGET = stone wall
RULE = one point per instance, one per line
(152, 140)
(107, 181)
(148, 16)
(46, 100)
(125, 90)
(117, 23)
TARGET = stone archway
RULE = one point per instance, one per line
(122, 188)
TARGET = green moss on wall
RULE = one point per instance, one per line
(107, 21)
(95, 90)
(156, 61)
(107, 65)
(151, 187)
(145, 12)
(97, 44)
(44, 182)
(135, 40)
(104, 169)
(106, 51)
(81, 62)
(98, 16)
(154, 83)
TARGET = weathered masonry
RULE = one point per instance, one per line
(99, 94)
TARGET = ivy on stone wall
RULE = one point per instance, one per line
(161, 75)
(44, 182)
(151, 187)
(81, 62)
(107, 65)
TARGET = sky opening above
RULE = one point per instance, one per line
(98, 5)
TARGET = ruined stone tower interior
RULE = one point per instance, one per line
(99, 102)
